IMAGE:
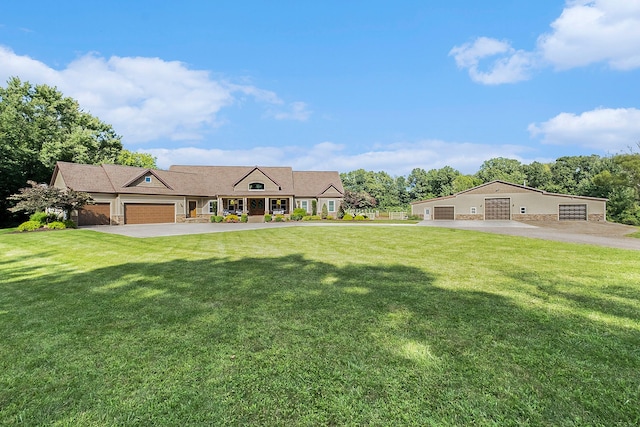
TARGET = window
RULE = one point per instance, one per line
(331, 205)
(256, 186)
(304, 204)
(147, 179)
(474, 210)
(523, 209)
(278, 204)
(213, 205)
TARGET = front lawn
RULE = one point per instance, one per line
(317, 326)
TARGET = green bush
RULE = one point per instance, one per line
(219, 218)
(212, 218)
(306, 218)
(415, 217)
(231, 218)
(314, 207)
(244, 218)
(44, 217)
(359, 218)
(324, 211)
(279, 218)
(298, 214)
(69, 224)
(29, 226)
(330, 217)
(347, 217)
(56, 225)
(267, 218)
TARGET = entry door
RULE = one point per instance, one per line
(427, 214)
(192, 209)
(256, 207)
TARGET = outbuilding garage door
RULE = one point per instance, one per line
(443, 212)
(148, 213)
(572, 213)
(98, 214)
(497, 209)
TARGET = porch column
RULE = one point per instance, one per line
(219, 207)
(267, 208)
(291, 207)
(245, 207)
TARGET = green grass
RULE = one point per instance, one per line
(317, 326)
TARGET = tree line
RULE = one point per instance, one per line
(38, 127)
(615, 177)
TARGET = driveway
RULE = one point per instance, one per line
(592, 233)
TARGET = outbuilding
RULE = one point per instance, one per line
(500, 200)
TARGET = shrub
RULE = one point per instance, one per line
(316, 218)
(56, 225)
(306, 218)
(69, 224)
(298, 214)
(314, 207)
(330, 217)
(279, 218)
(347, 217)
(43, 217)
(231, 218)
(415, 217)
(267, 217)
(29, 226)
(359, 218)
(244, 218)
(325, 211)
(219, 218)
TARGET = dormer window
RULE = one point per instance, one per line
(256, 186)
(147, 179)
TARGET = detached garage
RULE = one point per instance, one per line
(500, 200)
(149, 213)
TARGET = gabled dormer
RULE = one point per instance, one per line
(256, 180)
(330, 191)
(147, 179)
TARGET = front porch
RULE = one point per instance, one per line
(254, 206)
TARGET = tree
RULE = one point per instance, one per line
(40, 197)
(465, 182)
(501, 168)
(38, 127)
(141, 160)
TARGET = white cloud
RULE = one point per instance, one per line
(297, 111)
(144, 98)
(395, 159)
(587, 32)
(606, 129)
(511, 66)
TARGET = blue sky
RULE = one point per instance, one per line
(338, 85)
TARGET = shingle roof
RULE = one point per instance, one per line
(315, 183)
(117, 179)
(194, 180)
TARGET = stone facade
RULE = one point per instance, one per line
(534, 217)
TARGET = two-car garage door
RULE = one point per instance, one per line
(149, 213)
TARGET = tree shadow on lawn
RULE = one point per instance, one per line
(300, 341)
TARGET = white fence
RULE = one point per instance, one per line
(398, 215)
(364, 212)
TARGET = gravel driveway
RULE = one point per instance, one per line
(607, 234)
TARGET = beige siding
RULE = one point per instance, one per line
(536, 204)
(155, 182)
(256, 176)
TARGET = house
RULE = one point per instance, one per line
(500, 200)
(132, 195)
